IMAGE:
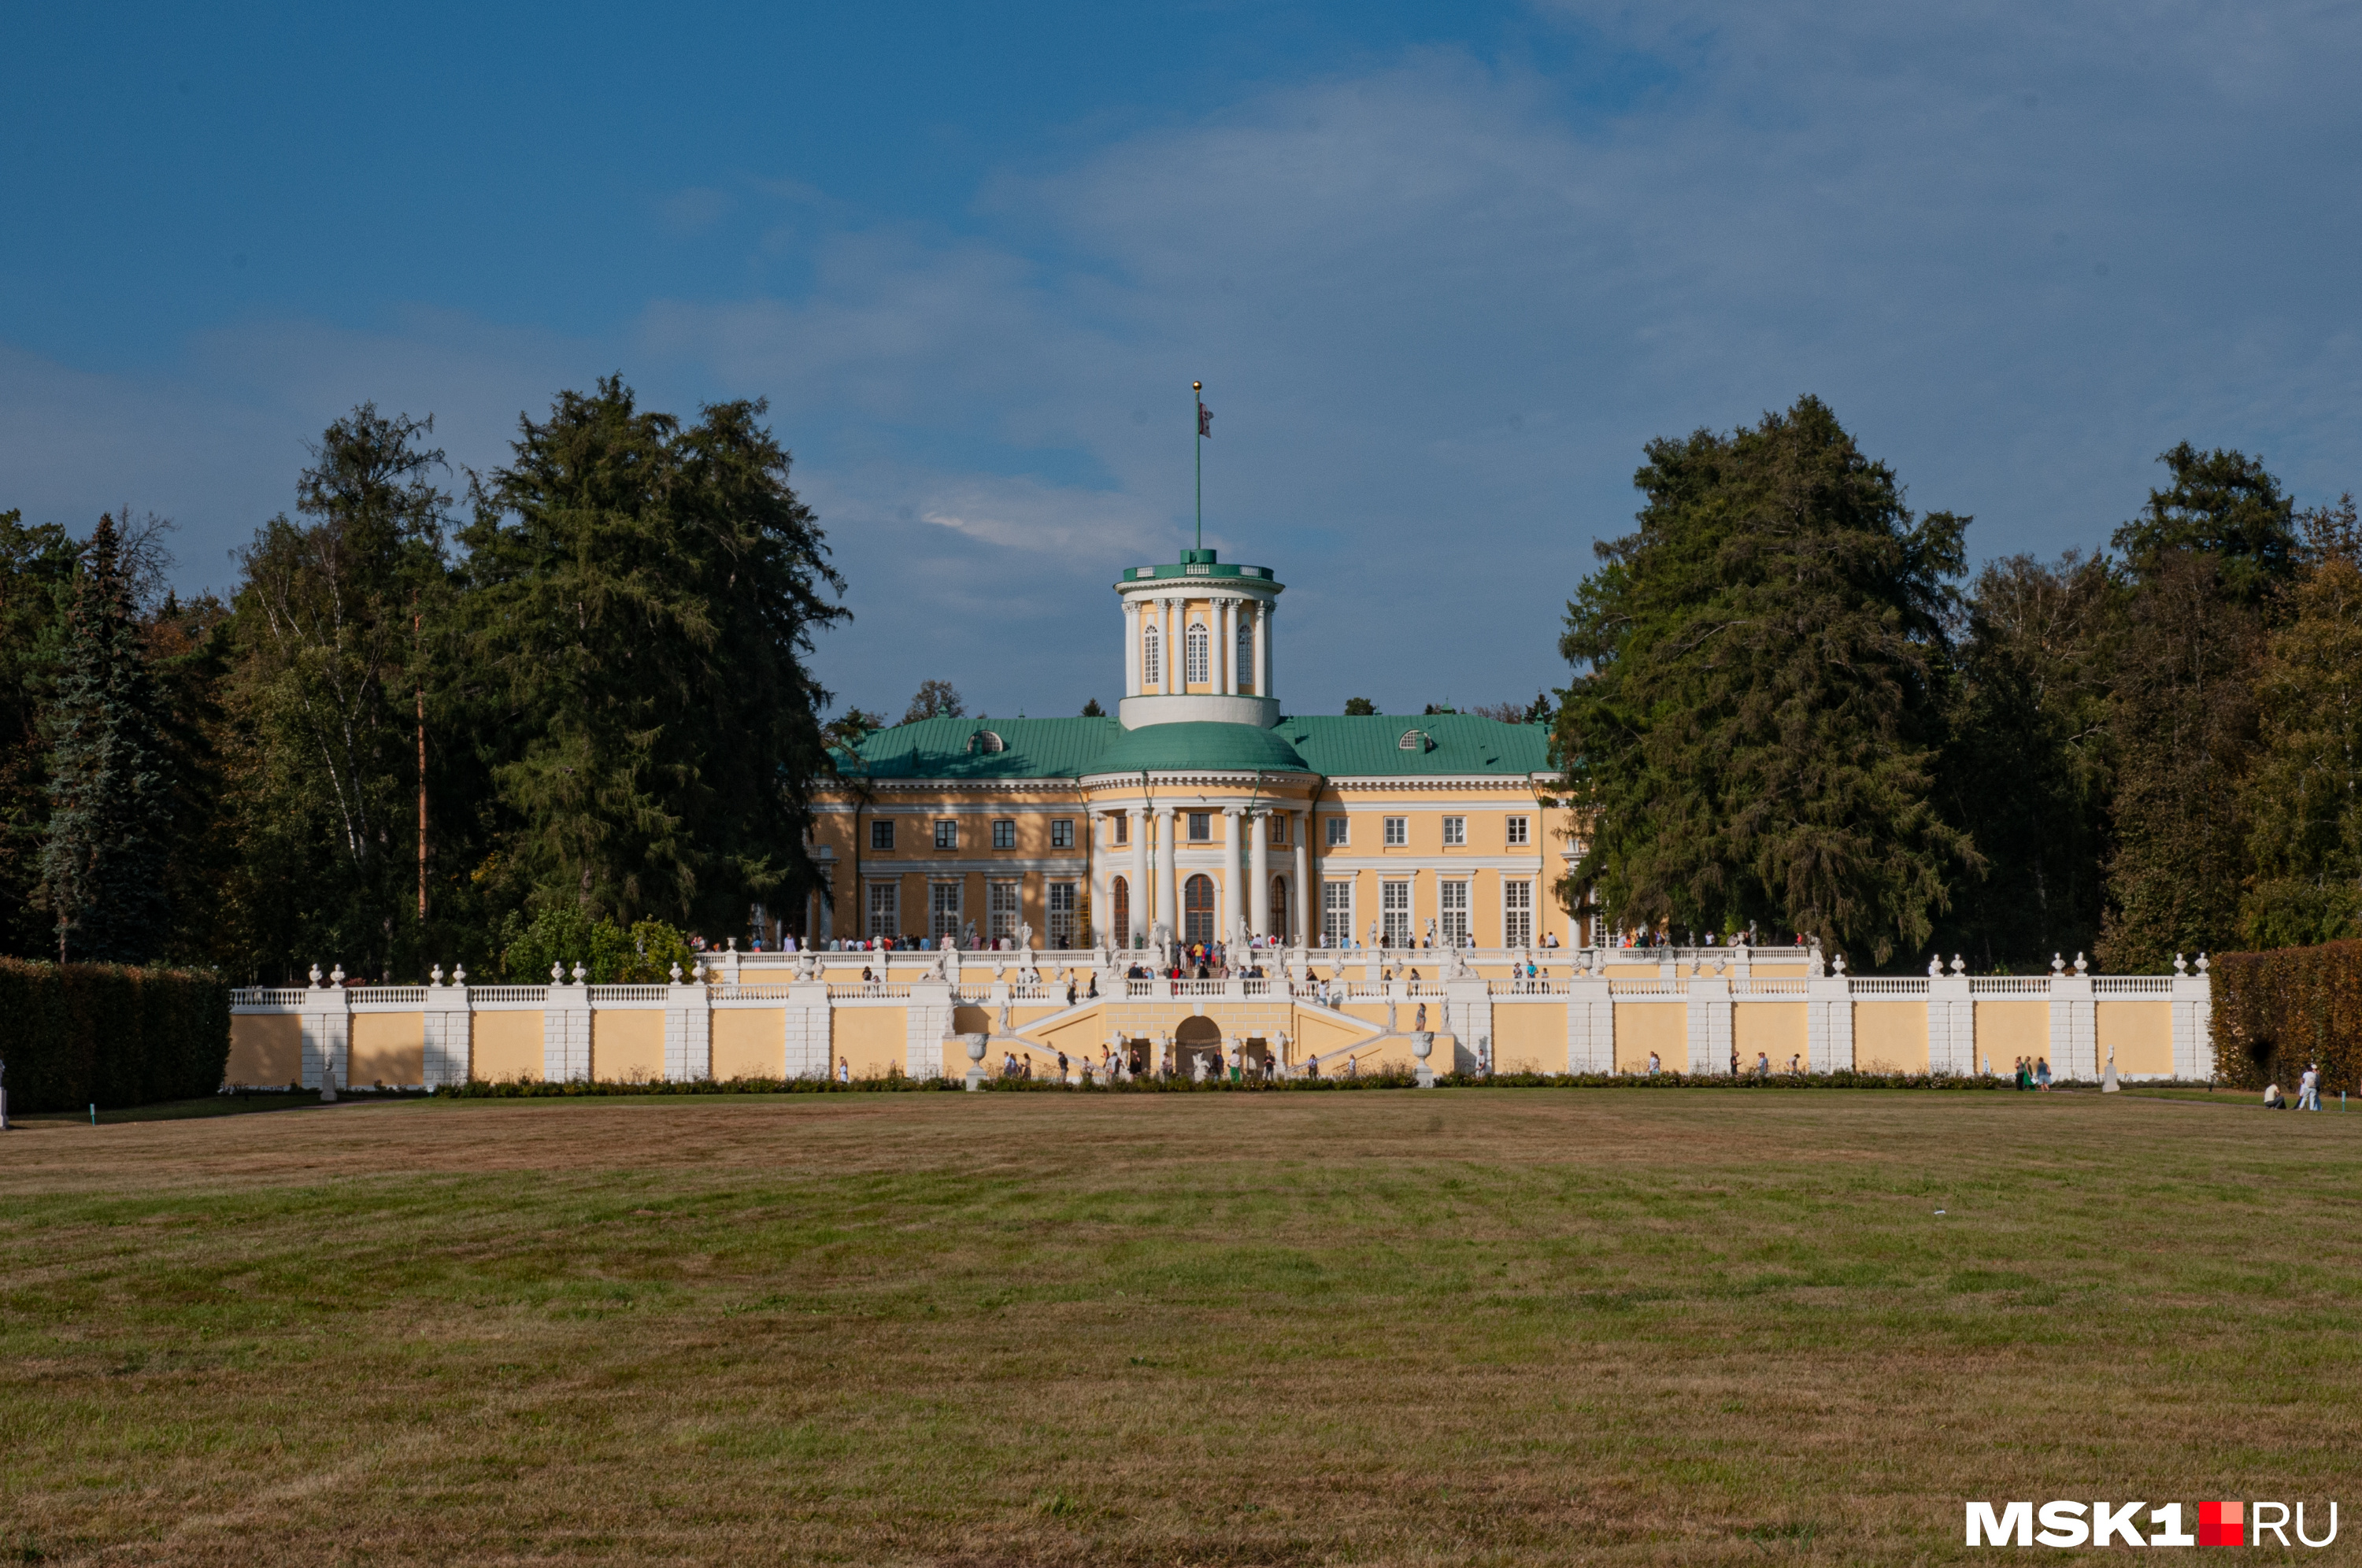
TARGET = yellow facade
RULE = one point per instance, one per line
(1890, 1036)
(388, 1048)
(2140, 1033)
(266, 1050)
(627, 1046)
(507, 1045)
(1655, 1027)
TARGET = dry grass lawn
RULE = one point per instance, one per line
(1468, 1327)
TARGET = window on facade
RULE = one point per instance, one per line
(943, 910)
(1151, 659)
(1516, 914)
(1061, 900)
(1336, 913)
(1193, 660)
(1279, 827)
(1517, 830)
(1197, 909)
(1001, 905)
(1451, 913)
(1119, 895)
(1123, 827)
(1246, 652)
(1455, 830)
(1278, 918)
(1201, 827)
(885, 908)
(985, 740)
(1061, 834)
(881, 833)
(946, 832)
(1397, 832)
(1413, 740)
(1004, 834)
(1335, 832)
(1394, 913)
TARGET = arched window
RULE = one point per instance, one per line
(1197, 909)
(1278, 927)
(1151, 660)
(984, 742)
(1120, 897)
(1193, 647)
(1246, 667)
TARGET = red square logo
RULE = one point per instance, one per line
(2219, 1524)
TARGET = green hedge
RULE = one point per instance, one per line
(109, 1035)
(2276, 1011)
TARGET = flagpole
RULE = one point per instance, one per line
(1198, 391)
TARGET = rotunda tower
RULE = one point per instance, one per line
(1198, 643)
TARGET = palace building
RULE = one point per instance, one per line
(1200, 809)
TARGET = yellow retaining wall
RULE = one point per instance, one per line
(2008, 1029)
(2141, 1035)
(507, 1045)
(388, 1048)
(1776, 1030)
(1642, 1027)
(266, 1050)
(627, 1047)
(1530, 1038)
(871, 1038)
(1890, 1036)
(752, 1042)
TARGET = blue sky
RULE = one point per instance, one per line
(1443, 271)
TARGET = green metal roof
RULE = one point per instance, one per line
(952, 748)
(1229, 748)
(1369, 746)
(1198, 563)
(1448, 745)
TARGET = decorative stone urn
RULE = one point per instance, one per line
(1422, 1045)
(975, 1060)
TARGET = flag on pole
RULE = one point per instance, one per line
(1205, 421)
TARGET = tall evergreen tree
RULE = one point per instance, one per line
(103, 867)
(2304, 801)
(2210, 557)
(640, 599)
(1756, 737)
(2028, 765)
(325, 693)
(37, 573)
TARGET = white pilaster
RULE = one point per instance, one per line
(2193, 1027)
(925, 1021)
(2074, 1028)
(1709, 1026)
(1168, 894)
(1225, 676)
(566, 1034)
(1234, 870)
(1263, 647)
(1590, 1024)
(1302, 828)
(1259, 875)
(1142, 912)
(1951, 1025)
(1828, 1023)
(328, 1034)
(1172, 671)
(809, 1046)
(1132, 647)
(450, 1034)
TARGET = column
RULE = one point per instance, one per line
(1234, 870)
(1259, 877)
(326, 1031)
(1141, 909)
(828, 910)
(1263, 647)
(1168, 892)
(689, 1030)
(449, 1030)
(1172, 671)
(1103, 913)
(1132, 647)
(1301, 826)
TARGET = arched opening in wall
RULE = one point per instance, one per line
(1119, 899)
(1151, 659)
(1197, 909)
(1194, 662)
(1198, 1036)
(1278, 927)
(1245, 666)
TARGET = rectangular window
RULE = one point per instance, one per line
(881, 833)
(885, 908)
(1517, 830)
(943, 910)
(1452, 913)
(1201, 827)
(1516, 914)
(947, 832)
(1123, 827)
(1279, 827)
(1455, 831)
(1393, 912)
(1336, 913)
(1062, 914)
(1335, 832)
(1000, 903)
(1061, 834)
(1004, 834)
(1397, 832)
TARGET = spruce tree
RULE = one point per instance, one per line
(104, 866)
(1755, 741)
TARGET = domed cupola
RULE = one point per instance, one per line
(1198, 643)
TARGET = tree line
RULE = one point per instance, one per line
(1795, 712)
(570, 716)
